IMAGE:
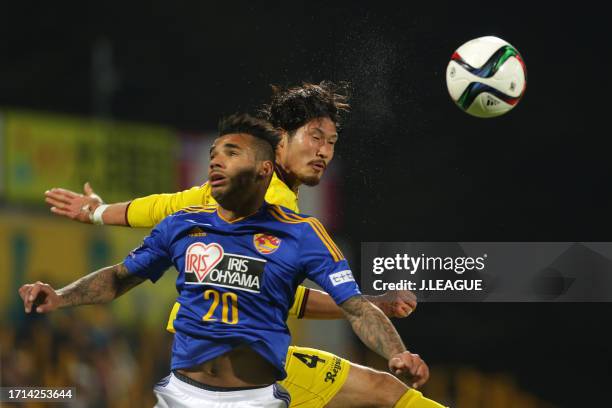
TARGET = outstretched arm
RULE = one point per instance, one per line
(395, 303)
(100, 286)
(82, 207)
(376, 331)
(140, 212)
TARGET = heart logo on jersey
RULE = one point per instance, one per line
(201, 258)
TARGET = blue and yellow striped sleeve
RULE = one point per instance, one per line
(320, 259)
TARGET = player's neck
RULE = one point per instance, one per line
(236, 215)
(236, 212)
(289, 179)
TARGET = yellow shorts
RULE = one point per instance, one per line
(414, 399)
(313, 376)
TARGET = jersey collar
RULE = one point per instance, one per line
(260, 210)
(279, 181)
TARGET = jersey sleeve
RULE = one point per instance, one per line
(324, 264)
(299, 304)
(150, 210)
(151, 259)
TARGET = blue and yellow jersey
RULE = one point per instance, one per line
(149, 211)
(237, 280)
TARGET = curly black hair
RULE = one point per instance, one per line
(292, 108)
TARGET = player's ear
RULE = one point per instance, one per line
(266, 169)
(284, 139)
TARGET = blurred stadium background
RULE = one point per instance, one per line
(126, 96)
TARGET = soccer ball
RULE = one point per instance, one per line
(486, 77)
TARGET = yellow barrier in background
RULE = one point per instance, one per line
(121, 159)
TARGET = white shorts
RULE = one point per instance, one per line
(178, 391)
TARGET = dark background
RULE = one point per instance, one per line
(416, 167)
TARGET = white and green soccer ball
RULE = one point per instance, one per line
(486, 77)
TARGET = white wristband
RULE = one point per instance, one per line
(96, 217)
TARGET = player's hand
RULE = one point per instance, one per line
(39, 295)
(78, 207)
(396, 303)
(411, 367)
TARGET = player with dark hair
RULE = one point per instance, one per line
(231, 337)
(265, 136)
(307, 118)
(307, 115)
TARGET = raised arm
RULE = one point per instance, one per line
(377, 332)
(140, 212)
(101, 286)
(395, 303)
(82, 207)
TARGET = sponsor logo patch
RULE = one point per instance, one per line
(338, 278)
(266, 243)
(197, 232)
(331, 375)
(211, 265)
(200, 259)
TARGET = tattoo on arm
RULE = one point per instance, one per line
(373, 327)
(100, 286)
(381, 305)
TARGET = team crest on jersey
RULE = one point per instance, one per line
(266, 243)
(200, 258)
